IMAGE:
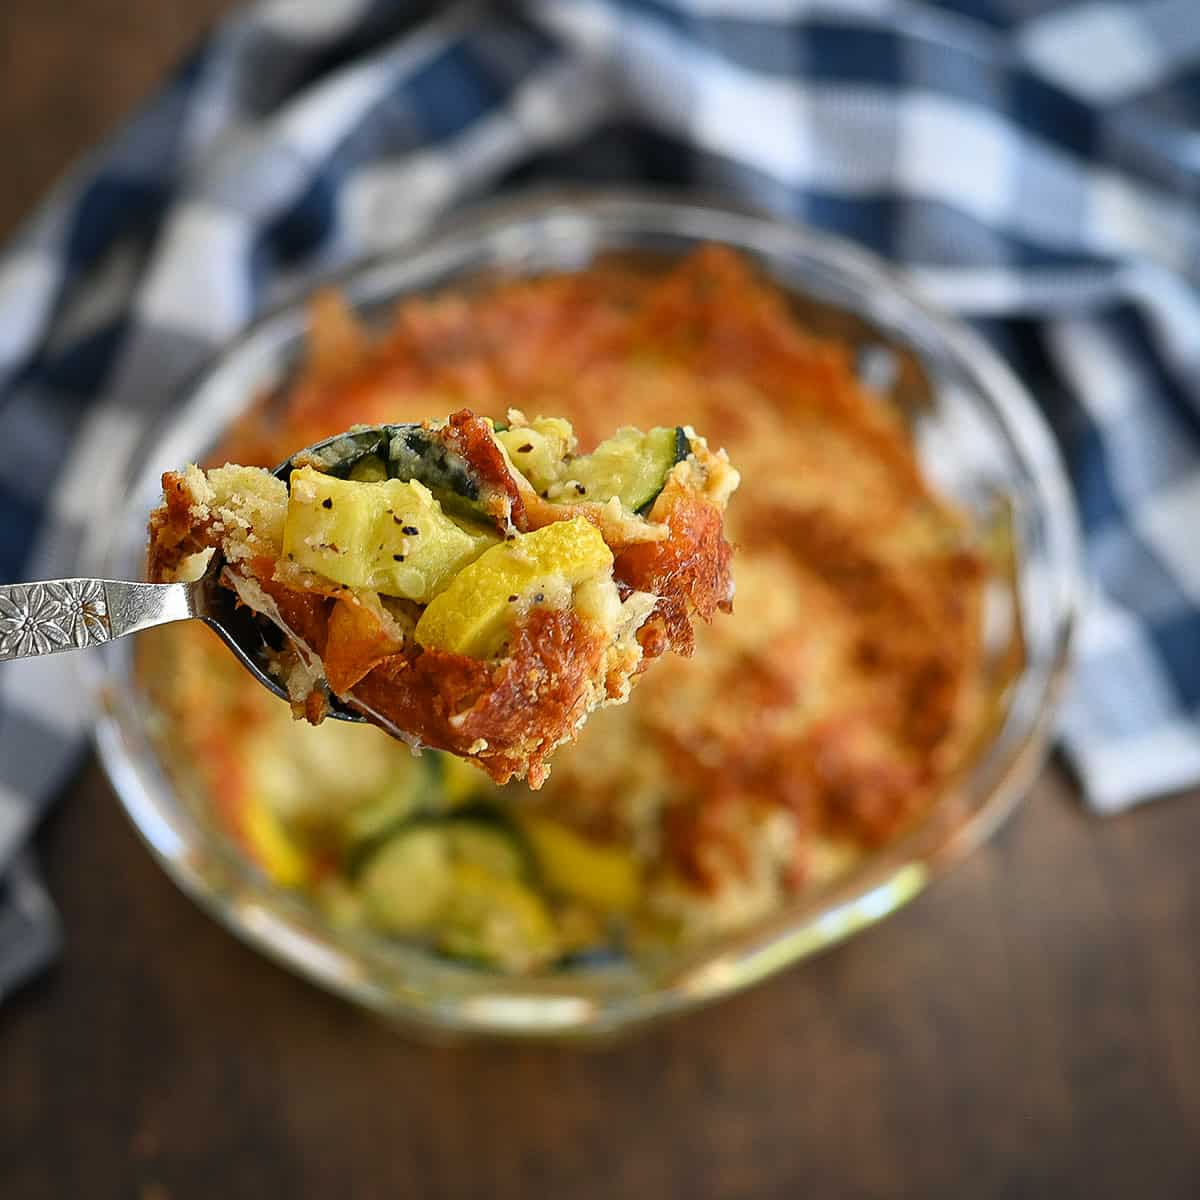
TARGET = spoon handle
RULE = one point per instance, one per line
(71, 614)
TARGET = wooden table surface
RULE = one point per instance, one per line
(1029, 1028)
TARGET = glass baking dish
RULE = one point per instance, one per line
(979, 437)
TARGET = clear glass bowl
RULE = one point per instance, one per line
(978, 435)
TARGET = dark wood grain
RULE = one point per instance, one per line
(1029, 1028)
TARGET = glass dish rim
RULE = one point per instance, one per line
(261, 914)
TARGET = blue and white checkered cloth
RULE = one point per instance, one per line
(1033, 164)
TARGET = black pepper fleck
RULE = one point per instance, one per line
(525, 449)
(398, 557)
(411, 530)
(396, 520)
(511, 599)
(581, 489)
(327, 503)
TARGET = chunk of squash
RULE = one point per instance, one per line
(605, 877)
(281, 858)
(493, 919)
(538, 450)
(632, 465)
(473, 615)
(389, 536)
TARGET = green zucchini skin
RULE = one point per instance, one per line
(441, 878)
(413, 452)
(419, 797)
(631, 466)
(338, 455)
(478, 818)
(408, 452)
(683, 448)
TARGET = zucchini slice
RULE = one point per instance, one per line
(463, 881)
(412, 793)
(540, 450)
(415, 453)
(630, 465)
(390, 536)
(477, 834)
(408, 881)
(407, 452)
(496, 921)
(482, 835)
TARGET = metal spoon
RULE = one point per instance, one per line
(72, 614)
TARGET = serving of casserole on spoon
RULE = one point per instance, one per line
(467, 587)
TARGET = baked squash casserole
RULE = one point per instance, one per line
(819, 721)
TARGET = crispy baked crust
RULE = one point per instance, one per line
(508, 716)
(178, 529)
(689, 572)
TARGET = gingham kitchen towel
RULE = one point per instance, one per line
(1034, 164)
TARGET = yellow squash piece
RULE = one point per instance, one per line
(473, 615)
(495, 919)
(278, 855)
(388, 536)
(407, 883)
(606, 877)
(538, 449)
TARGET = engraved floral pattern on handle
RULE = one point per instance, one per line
(41, 618)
